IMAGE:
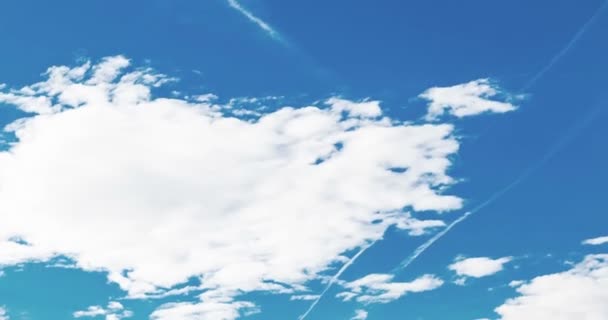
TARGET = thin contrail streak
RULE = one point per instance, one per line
(565, 49)
(324, 74)
(405, 263)
(259, 22)
(335, 278)
(566, 139)
(573, 132)
(530, 170)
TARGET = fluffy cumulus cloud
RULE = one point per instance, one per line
(596, 241)
(478, 267)
(114, 311)
(580, 293)
(468, 99)
(380, 288)
(118, 180)
(3, 314)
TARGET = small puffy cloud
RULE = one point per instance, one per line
(417, 227)
(305, 297)
(467, 99)
(478, 267)
(516, 283)
(580, 293)
(360, 315)
(114, 311)
(596, 241)
(379, 288)
(3, 314)
(460, 281)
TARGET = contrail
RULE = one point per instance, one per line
(259, 22)
(405, 263)
(324, 74)
(566, 139)
(565, 49)
(335, 278)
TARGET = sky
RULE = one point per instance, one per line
(266, 159)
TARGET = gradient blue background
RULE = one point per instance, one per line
(389, 50)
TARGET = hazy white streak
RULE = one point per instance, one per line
(565, 49)
(263, 25)
(565, 140)
(405, 263)
(335, 278)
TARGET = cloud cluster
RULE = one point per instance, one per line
(467, 99)
(157, 191)
(380, 288)
(114, 311)
(580, 293)
(3, 314)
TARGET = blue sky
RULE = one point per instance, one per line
(125, 182)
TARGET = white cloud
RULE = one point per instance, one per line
(380, 288)
(419, 227)
(14, 252)
(367, 109)
(516, 283)
(114, 311)
(460, 281)
(596, 241)
(207, 310)
(129, 184)
(360, 315)
(580, 293)
(92, 311)
(3, 314)
(305, 297)
(467, 99)
(478, 267)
